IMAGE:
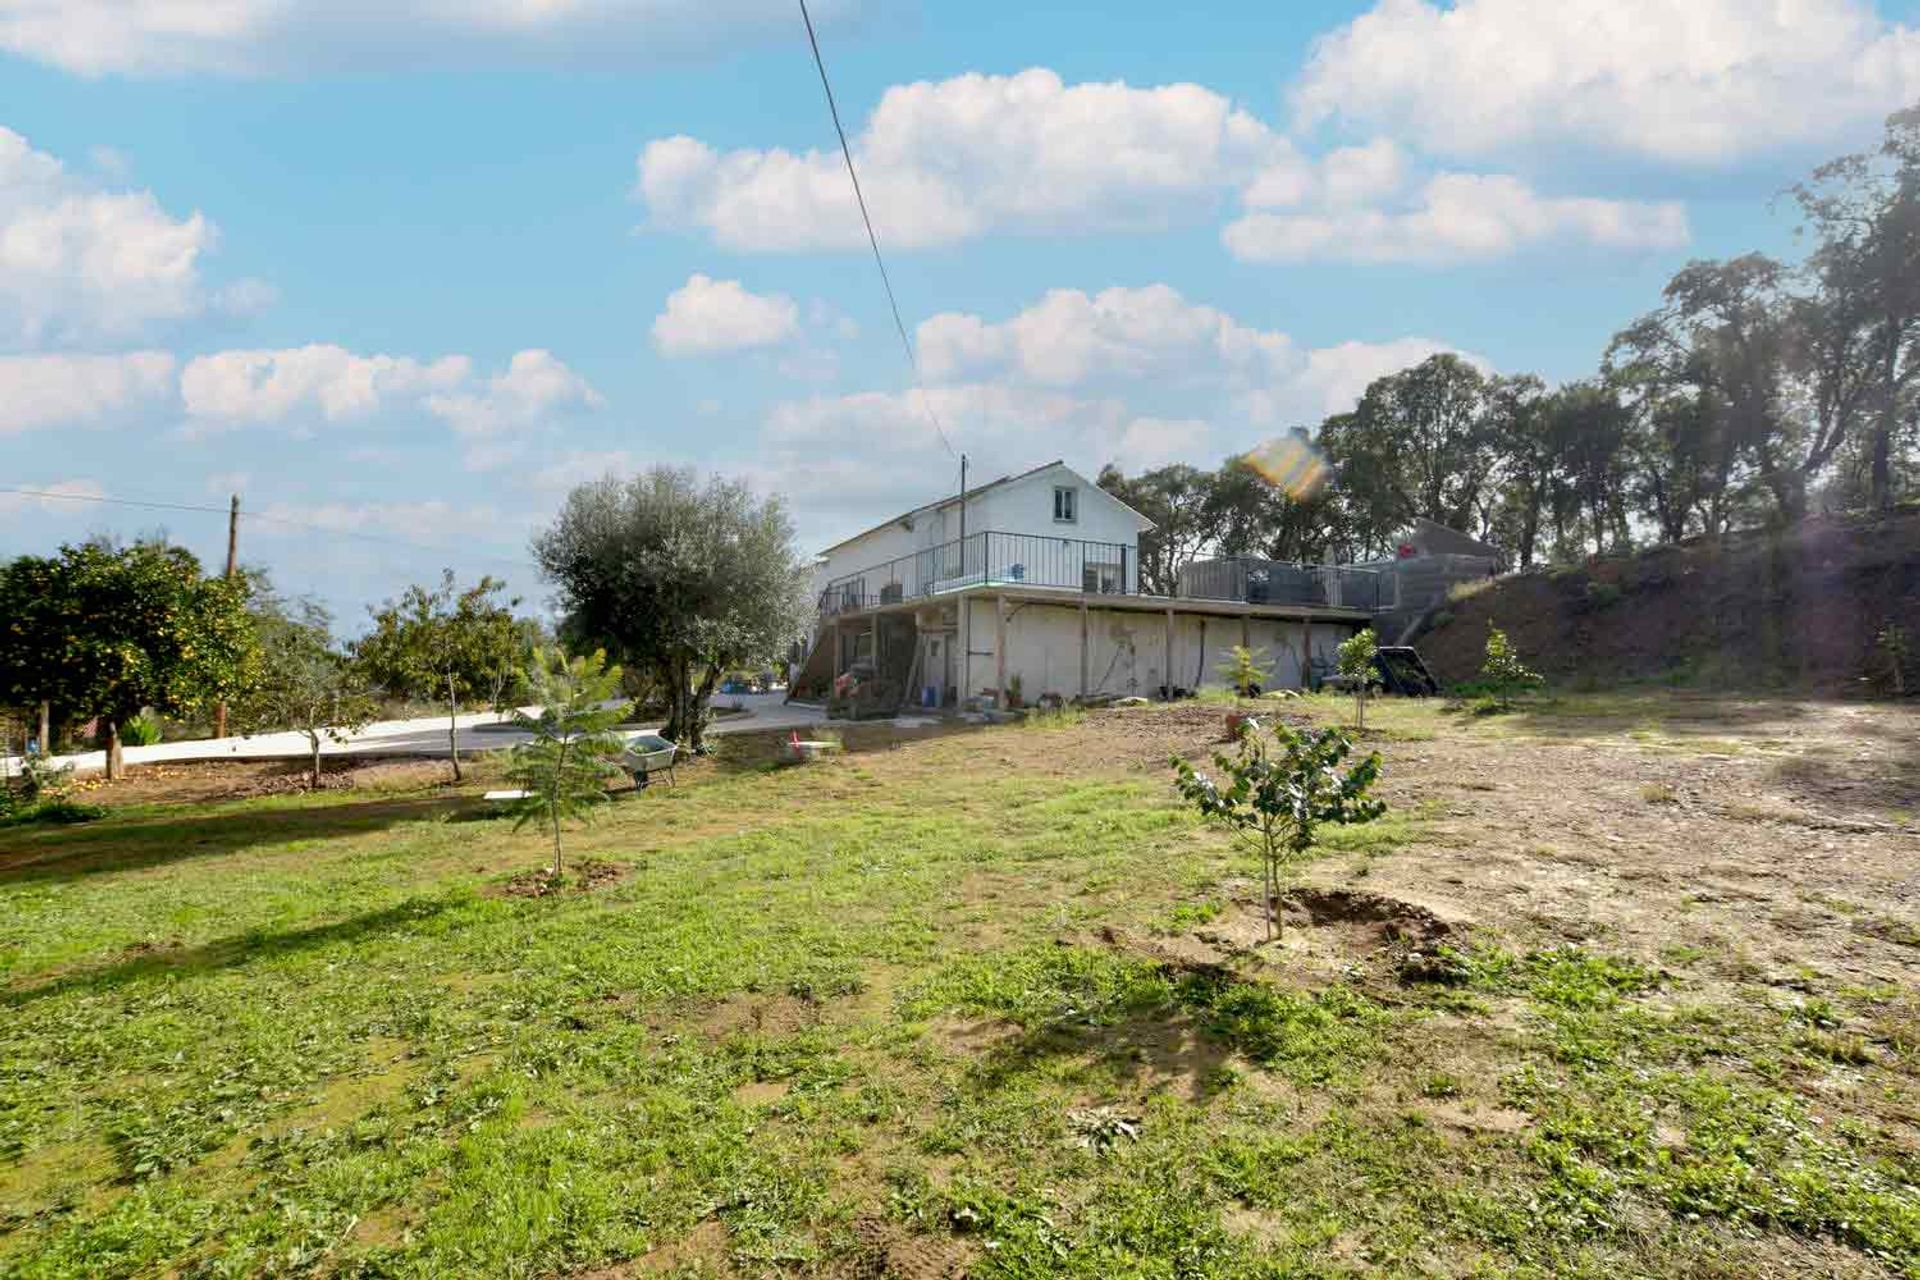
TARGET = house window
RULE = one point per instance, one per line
(1065, 505)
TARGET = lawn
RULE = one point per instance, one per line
(1622, 985)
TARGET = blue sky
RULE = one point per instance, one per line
(400, 277)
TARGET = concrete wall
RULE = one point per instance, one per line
(1127, 649)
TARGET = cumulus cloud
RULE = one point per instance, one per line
(1454, 217)
(231, 388)
(958, 159)
(1122, 339)
(256, 37)
(534, 385)
(948, 161)
(1681, 80)
(80, 263)
(705, 316)
(54, 497)
(80, 390)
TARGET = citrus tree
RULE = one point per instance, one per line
(1504, 674)
(1245, 672)
(565, 768)
(103, 632)
(1277, 789)
(1356, 664)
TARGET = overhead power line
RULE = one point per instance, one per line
(886, 282)
(289, 521)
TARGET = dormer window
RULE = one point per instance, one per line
(1066, 505)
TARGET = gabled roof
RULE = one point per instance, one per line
(954, 501)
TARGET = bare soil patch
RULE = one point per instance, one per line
(584, 876)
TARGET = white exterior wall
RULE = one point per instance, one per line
(1127, 648)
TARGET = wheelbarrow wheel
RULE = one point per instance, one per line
(640, 780)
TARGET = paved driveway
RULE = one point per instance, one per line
(484, 731)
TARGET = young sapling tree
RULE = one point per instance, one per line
(1503, 672)
(1276, 791)
(305, 682)
(1357, 653)
(1245, 672)
(565, 768)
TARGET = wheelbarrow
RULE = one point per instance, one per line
(646, 755)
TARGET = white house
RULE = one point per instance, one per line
(1031, 584)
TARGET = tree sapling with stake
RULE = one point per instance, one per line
(564, 770)
(1357, 653)
(1276, 794)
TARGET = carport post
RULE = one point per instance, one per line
(1000, 649)
(1166, 663)
(1083, 647)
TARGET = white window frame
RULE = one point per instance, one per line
(1072, 495)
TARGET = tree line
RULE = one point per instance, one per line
(1757, 392)
(678, 581)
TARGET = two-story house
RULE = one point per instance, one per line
(1030, 586)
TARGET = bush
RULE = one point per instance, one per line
(59, 812)
(1602, 595)
(141, 731)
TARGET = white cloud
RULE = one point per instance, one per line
(1153, 338)
(705, 316)
(238, 387)
(63, 497)
(1682, 80)
(534, 385)
(77, 262)
(253, 37)
(1456, 216)
(948, 161)
(79, 390)
(1069, 337)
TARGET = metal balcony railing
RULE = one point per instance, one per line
(987, 559)
(991, 558)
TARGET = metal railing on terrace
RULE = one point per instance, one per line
(987, 559)
(1250, 580)
(991, 558)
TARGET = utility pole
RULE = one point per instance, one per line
(963, 515)
(233, 567)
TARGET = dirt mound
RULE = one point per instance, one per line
(888, 1252)
(1798, 608)
(585, 875)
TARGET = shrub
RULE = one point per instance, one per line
(141, 731)
(1602, 595)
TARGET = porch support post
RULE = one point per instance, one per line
(1246, 632)
(1167, 663)
(1083, 647)
(1306, 649)
(1000, 648)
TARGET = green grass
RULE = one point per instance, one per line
(865, 1000)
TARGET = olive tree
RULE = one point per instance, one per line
(681, 578)
(444, 645)
(103, 631)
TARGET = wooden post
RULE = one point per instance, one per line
(46, 728)
(1246, 629)
(1083, 649)
(1000, 648)
(1166, 662)
(1306, 649)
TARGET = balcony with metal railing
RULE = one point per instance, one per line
(1024, 560)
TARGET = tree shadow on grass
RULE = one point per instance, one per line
(1161, 1049)
(117, 843)
(230, 952)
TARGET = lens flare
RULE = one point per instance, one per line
(1291, 465)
